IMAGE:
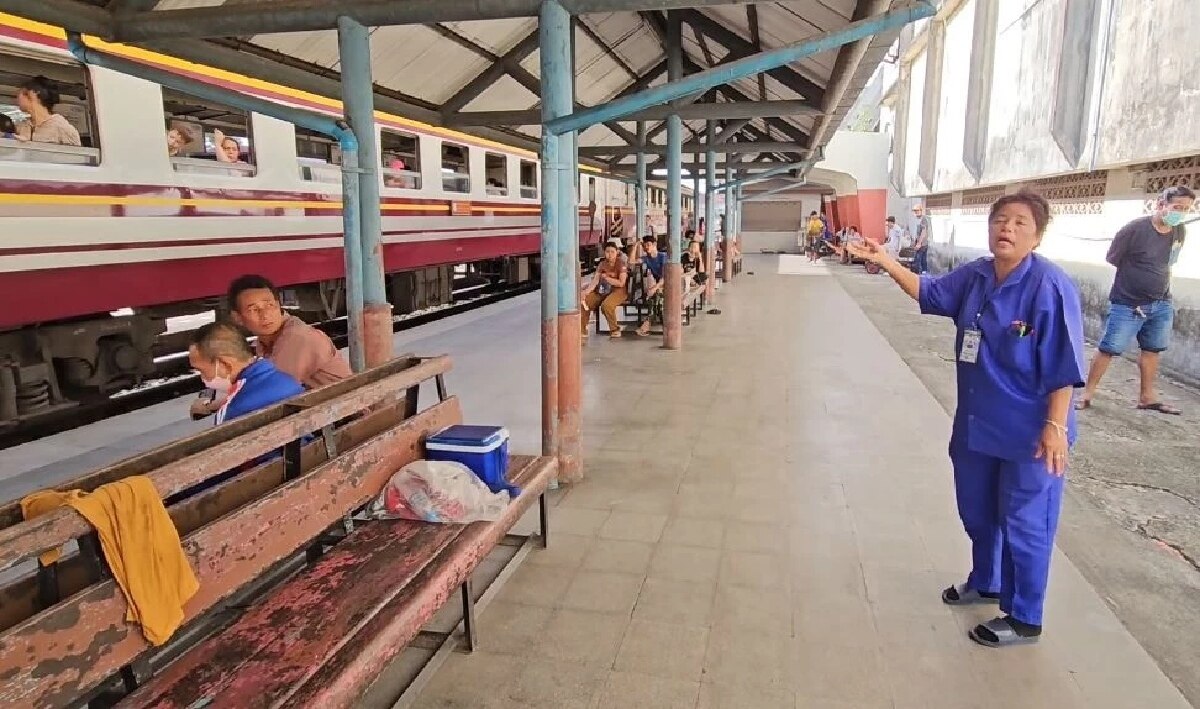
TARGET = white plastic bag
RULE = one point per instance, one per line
(438, 491)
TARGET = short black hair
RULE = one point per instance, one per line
(813, 213)
(6, 124)
(1177, 192)
(44, 89)
(650, 239)
(891, 219)
(1036, 203)
(611, 245)
(250, 281)
(689, 234)
(221, 339)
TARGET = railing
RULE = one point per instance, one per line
(320, 171)
(457, 182)
(12, 150)
(401, 179)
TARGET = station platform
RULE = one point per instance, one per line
(754, 533)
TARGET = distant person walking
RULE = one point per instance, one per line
(1019, 353)
(920, 234)
(1140, 299)
(813, 231)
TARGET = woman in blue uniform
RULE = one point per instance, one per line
(1019, 349)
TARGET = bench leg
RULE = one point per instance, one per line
(544, 520)
(468, 604)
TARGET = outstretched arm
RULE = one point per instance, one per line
(908, 281)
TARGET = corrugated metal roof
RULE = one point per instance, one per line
(430, 66)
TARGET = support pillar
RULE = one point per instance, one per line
(696, 204)
(727, 271)
(552, 39)
(673, 273)
(563, 221)
(710, 229)
(639, 194)
(358, 91)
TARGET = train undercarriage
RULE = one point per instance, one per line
(48, 368)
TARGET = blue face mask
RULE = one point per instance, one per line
(1173, 218)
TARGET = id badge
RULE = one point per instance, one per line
(970, 347)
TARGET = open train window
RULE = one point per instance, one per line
(529, 179)
(203, 137)
(318, 156)
(456, 171)
(400, 154)
(46, 112)
(495, 168)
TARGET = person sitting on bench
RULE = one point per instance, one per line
(244, 382)
(693, 261)
(607, 290)
(655, 262)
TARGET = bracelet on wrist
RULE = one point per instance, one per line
(1058, 426)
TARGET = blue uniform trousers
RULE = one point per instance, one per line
(1010, 512)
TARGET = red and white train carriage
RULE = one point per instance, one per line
(99, 244)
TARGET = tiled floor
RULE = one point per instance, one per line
(767, 521)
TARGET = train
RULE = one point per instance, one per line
(102, 243)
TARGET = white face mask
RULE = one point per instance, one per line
(219, 384)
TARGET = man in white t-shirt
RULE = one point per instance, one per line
(895, 237)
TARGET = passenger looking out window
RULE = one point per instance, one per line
(228, 149)
(37, 97)
(179, 136)
(293, 345)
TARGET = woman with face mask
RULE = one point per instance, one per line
(1019, 350)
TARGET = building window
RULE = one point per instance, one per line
(46, 112)
(400, 159)
(203, 137)
(529, 179)
(495, 169)
(456, 170)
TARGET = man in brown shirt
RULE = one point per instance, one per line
(291, 344)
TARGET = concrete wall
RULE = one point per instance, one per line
(867, 197)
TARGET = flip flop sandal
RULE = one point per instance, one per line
(963, 595)
(1161, 408)
(1083, 404)
(1002, 631)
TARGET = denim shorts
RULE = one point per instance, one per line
(1151, 323)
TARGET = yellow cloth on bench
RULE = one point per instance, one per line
(141, 546)
(38, 504)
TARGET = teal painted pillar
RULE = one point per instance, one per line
(639, 194)
(358, 102)
(696, 194)
(673, 273)
(727, 270)
(710, 210)
(561, 357)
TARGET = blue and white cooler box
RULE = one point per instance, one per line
(483, 449)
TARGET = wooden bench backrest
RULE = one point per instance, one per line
(52, 658)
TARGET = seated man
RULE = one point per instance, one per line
(244, 383)
(655, 262)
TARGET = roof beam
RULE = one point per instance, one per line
(691, 147)
(511, 58)
(756, 40)
(68, 14)
(604, 47)
(789, 130)
(692, 112)
(117, 7)
(272, 16)
(734, 42)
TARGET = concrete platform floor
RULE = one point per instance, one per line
(755, 533)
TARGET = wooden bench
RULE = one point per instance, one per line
(693, 303)
(301, 603)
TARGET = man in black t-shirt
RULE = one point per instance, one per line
(1140, 300)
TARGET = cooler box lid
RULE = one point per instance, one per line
(466, 439)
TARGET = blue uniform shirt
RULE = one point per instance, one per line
(1002, 397)
(656, 264)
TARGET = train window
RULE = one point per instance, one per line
(318, 156)
(203, 137)
(529, 179)
(456, 171)
(46, 113)
(495, 169)
(591, 190)
(401, 156)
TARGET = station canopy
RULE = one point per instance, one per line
(473, 64)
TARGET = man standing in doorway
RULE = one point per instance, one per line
(920, 236)
(1140, 300)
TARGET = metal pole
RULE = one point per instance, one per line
(358, 100)
(558, 93)
(550, 33)
(742, 68)
(639, 194)
(695, 170)
(727, 269)
(673, 273)
(710, 210)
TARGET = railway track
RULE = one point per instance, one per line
(175, 379)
